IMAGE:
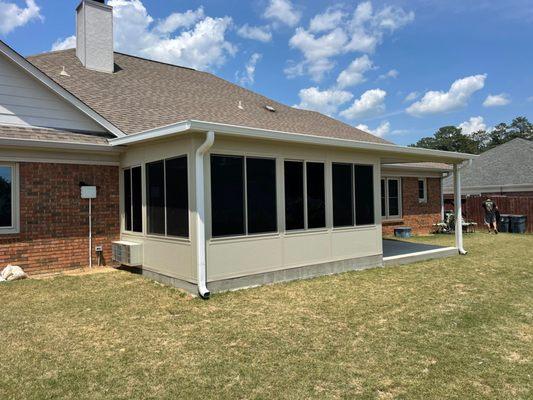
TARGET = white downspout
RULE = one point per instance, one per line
(458, 209)
(200, 215)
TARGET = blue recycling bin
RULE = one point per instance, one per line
(403, 232)
(504, 223)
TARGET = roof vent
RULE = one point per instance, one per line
(240, 107)
(270, 108)
(64, 72)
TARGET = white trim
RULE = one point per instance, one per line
(59, 90)
(58, 145)
(419, 168)
(387, 217)
(258, 133)
(418, 253)
(15, 201)
(58, 161)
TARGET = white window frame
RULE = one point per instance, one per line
(387, 216)
(425, 183)
(15, 204)
(124, 230)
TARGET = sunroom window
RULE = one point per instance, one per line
(133, 199)
(6, 197)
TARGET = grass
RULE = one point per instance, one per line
(458, 328)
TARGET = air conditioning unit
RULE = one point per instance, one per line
(127, 253)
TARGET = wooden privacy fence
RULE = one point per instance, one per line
(472, 210)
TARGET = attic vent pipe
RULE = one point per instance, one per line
(270, 108)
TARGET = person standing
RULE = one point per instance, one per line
(491, 209)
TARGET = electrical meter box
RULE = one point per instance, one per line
(88, 192)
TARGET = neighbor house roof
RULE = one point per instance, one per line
(506, 165)
(143, 95)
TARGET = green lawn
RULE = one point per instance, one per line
(458, 328)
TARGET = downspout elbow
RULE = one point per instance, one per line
(203, 291)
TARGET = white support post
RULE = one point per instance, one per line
(442, 197)
(458, 210)
(90, 235)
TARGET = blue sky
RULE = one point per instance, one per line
(399, 68)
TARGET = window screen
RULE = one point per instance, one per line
(294, 195)
(127, 199)
(227, 195)
(177, 197)
(342, 195)
(136, 199)
(261, 195)
(316, 195)
(364, 194)
(394, 202)
(155, 185)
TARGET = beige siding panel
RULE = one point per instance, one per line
(352, 243)
(229, 259)
(24, 101)
(306, 248)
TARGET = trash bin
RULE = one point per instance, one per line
(402, 231)
(518, 223)
(504, 223)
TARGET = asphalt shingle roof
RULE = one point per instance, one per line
(144, 94)
(508, 164)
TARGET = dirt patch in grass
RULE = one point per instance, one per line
(450, 328)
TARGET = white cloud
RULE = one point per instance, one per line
(180, 20)
(457, 96)
(474, 124)
(326, 102)
(497, 100)
(248, 78)
(260, 33)
(64, 44)
(354, 74)
(371, 102)
(282, 11)
(335, 32)
(412, 96)
(189, 39)
(12, 16)
(318, 51)
(392, 74)
(380, 131)
(326, 21)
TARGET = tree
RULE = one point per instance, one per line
(451, 138)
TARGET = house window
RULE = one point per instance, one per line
(353, 194)
(133, 199)
(167, 197)
(243, 195)
(390, 198)
(422, 190)
(7, 198)
(364, 194)
(305, 195)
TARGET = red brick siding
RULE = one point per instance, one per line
(419, 216)
(54, 219)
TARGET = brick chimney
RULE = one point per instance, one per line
(94, 35)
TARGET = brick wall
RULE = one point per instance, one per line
(54, 219)
(419, 216)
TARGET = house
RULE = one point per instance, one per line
(217, 186)
(506, 169)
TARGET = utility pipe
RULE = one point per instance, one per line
(200, 215)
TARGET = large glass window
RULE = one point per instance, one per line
(6, 197)
(294, 195)
(316, 195)
(364, 194)
(133, 199)
(391, 198)
(167, 197)
(342, 182)
(261, 195)
(233, 212)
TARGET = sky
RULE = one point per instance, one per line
(399, 69)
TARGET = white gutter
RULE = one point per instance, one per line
(258, 133)
(200, 215)
(51, 144)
